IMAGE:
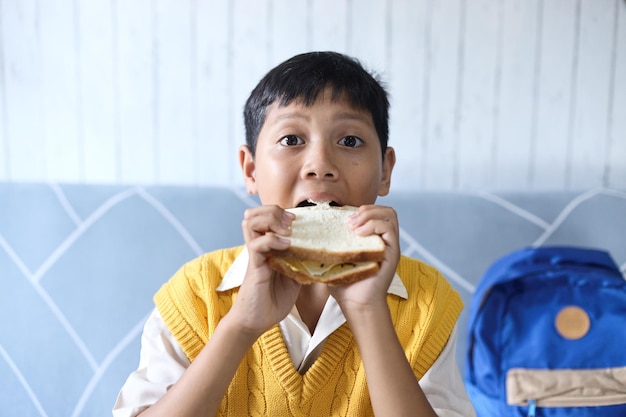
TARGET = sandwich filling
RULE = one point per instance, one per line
(317, 269)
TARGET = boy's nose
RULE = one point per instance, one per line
(320, 164)
(321, 173)
(320, 169)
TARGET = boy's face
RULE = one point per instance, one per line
(328, 151)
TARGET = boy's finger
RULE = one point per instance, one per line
(263, 244)
(375, 220)
(261, 220)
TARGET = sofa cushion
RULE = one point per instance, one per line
(79, 265)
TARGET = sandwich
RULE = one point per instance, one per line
(324, 248)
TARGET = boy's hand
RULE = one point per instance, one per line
(392, 384)
(265, 298)
(372, 292)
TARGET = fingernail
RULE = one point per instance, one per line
(288, 219)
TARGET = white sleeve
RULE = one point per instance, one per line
(443, 386)
(161, 363)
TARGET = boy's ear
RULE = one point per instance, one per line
(388, 163)
(246, 161)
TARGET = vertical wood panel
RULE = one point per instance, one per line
(477, 105)
(5, 167)
(368, 26)
(329, 25)
(99, 90)
(513, 126)
(135, 66)
(510, 94)
(615, 171)
(441, 83)
(589, 133)
(552, 108)
(215, 157)
(406, 83)
(288, 30)
(24, 79)
(175, 154)
(250, 63)
(59, 90)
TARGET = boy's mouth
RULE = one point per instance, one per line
(307, 203)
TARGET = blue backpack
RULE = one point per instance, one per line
(547, 335)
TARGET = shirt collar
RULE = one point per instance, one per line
(235, 274)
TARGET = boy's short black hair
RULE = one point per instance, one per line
(304, 77)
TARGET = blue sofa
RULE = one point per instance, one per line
(79, 265)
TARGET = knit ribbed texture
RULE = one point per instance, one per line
(266, 382)
(424, 333)
(189, 298)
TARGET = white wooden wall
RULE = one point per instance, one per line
(496, 94)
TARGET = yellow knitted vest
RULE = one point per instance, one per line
(266, 382)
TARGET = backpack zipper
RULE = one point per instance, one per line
(532, 408)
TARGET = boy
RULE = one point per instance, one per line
(229, 336)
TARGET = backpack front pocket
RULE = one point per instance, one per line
(566, 387)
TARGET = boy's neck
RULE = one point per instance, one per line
(310, 303)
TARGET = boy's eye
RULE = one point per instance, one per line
(351, 141)
(291, 140)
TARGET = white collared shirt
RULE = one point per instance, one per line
(162, 361)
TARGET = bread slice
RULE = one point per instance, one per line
(324, 248)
